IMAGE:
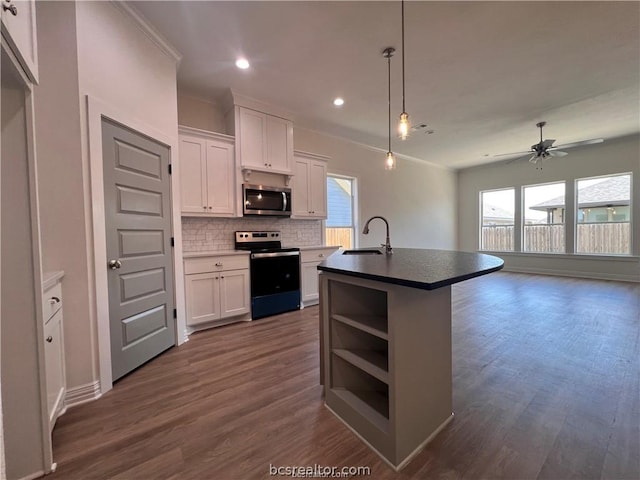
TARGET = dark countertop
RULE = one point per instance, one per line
(412, 267)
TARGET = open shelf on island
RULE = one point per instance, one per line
(373, 324)
(358, 303)
(363, 391)
(373, 362)
(372, 405)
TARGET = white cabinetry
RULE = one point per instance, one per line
(54, 350)
(19, 31)
(309, 188)
(207, 179)
(264, 142)
(309, 261)
(217, 290)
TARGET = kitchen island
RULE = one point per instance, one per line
(386, 342)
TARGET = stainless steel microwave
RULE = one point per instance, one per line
(264, 200)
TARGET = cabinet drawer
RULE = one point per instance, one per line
(315, 255)
(51, 301)
(216, 264)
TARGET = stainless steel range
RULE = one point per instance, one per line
(275, 273)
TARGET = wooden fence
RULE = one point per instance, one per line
(604, 237)
(543, 238)
(342, 236)
(498, 238)
(612, 238)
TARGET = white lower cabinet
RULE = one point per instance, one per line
(217, 290)
(54, 352)
(309, 261)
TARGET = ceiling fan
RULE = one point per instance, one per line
(545, 149)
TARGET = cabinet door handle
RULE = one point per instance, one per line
(12, 8)
(321, 255)
(49, 339)
(210, 207)
(54, 300)
(222, 276)
(204, 206)
(219, 264)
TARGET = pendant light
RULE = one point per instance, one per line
(403, 126)
(390, 162)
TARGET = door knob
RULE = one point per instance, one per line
(12, 8)
(115, 264)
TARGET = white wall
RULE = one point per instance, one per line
(419, 200)
(127, 75)
(91, 50)
(201, 114)
(612, 156)
(63, 214)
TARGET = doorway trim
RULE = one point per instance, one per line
(96, 111)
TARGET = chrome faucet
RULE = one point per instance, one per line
(365, 231)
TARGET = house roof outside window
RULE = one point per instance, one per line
(610, 192)
(491, 213)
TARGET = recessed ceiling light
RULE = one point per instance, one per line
(338, 102)
(242, 63)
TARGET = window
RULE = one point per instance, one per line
(340, 223)
(497, 207)
(543, 218)
(604, 215)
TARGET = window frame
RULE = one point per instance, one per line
(524, 209)
(481, 217)
(570, 218)
(355, 211)
(577, 208)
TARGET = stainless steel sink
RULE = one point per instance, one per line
(363, 251)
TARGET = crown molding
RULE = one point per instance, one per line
(149, 30)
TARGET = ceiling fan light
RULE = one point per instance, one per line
(403, 126)
(242, 63)
(390, 162)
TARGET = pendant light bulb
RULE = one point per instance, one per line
(403, 126)
(390, 162)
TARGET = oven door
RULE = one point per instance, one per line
(259, 200)
(274, 272)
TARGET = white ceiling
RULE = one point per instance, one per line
(480, 74)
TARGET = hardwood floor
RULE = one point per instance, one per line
(546, 385)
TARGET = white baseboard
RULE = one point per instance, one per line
(32, 476)
(82, 394)
(575, 274)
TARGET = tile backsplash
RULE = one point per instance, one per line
(217, 234)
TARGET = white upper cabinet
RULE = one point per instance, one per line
(207, 180)
(309, 188)
(265, 142)
(19, 31)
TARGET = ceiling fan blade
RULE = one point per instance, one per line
(517, 159)
(557, 153)
(547, 143)
(583, 142)
(512, 153)
(535, 158)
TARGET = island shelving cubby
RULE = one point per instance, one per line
(388, 368)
